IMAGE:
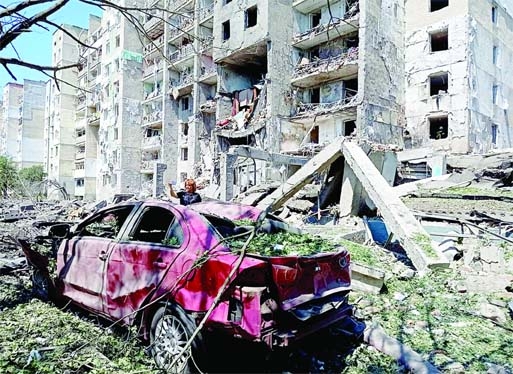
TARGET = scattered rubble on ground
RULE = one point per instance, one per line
(456, 319)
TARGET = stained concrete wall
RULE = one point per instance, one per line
(12, 102)
(240, 36)
(31, 138)
(421, 64)
(381, 70)
(472, 72)
(487, 71)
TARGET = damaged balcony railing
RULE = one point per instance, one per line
(153, 94)
(154, 45)
(152, 117)
(182, 81)
(154, 68)
(326, 64)
(206, 12)
(148, 164)
(181, 27)
(308, 109)
(353, 11)
(181, 53)
(207, 71)
(151, 142)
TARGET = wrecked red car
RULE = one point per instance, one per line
(168, 269)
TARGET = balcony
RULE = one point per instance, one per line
(151, 143)
(181, 86)
(81, 124)
(94, 119)
(208, 75)
(317, 109)
(326, 32)
(153, 95)
(154, 26)
(79, 173)
(79, 155)
(147, 166)
(81, 102)
(206, 15)
(182, 27)
(152, 69)
(155, 46)
(80, 139)
(327, 69)
(79, 191)
(182, 53)
(208, 106)
(152, 120)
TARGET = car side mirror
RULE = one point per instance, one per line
(59, 231)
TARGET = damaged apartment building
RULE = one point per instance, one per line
(236, 93)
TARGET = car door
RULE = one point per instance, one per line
(139, 261)
(81, 260)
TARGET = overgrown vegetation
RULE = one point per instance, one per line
(473, 191)
(445, 327)
(40, 338)
(24, 182)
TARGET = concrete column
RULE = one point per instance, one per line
(227, 162)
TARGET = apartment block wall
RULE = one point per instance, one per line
(12, 102)
(380, 71)
(31, 146)
(490, 70)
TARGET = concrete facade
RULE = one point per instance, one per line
(23, 123)
(60, 134)
(284, 77)
(457, 90)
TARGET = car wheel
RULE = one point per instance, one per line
(171, 329)
(40, 285)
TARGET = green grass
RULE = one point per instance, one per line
(40, 338)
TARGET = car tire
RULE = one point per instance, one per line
(40, 285)
(171, 329)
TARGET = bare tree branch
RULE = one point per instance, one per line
(7, 12)
(26, 24)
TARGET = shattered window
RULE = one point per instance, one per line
(438, 127)
(438, 4)
(251, 16)
(226, 30)
(438, 83)
(495, 128)
(494, 14)
(495, 54)
(106, 224)
(439, 40)
(160, 226)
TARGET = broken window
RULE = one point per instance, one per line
(438, 4)
(495, 128)
(439, 127)
(226, 30)
(494, 14)
(106, 224)
(158, 225)
(251, 16)
(184, 154)
(315, 19)
(185, 103)
(350, 87)
(349, 127)
(315, 95)
(438, 83)
(118, 41)
(439, 40)
(495, 55)
(495, 94)
(314, 135)
(185, 129)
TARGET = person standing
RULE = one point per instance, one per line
(187, 196)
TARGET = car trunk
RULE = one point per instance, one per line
(302, 279)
